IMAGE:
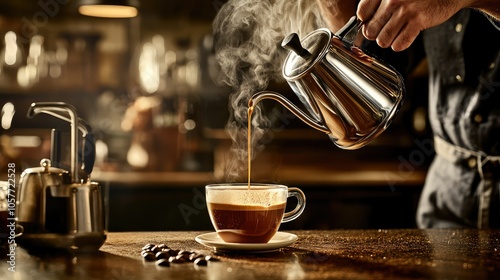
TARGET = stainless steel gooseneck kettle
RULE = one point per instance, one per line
(348, 94)
(57, 208)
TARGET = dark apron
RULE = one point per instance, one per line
(462, 188)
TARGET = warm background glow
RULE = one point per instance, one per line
(110, 11)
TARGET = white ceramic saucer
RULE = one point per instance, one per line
(279, 240)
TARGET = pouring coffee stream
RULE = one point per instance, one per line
(347, 93)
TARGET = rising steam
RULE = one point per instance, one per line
(248, 35)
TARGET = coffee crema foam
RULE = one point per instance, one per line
(256, 196)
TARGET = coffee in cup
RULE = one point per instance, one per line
(243, 214)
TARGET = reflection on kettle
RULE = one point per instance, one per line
(349, 95)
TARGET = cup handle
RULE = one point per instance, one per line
(301, 204)
(19, 230)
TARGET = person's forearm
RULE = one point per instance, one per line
(336, 13)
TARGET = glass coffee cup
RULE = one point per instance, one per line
(241, 214)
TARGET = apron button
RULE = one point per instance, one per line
(478, 118)
(458, 27)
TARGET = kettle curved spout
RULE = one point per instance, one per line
(256, 98)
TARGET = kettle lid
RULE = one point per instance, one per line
(45, 167)
(306, 53)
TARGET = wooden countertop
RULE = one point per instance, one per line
(332, 254)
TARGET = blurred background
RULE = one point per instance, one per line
(146, 85)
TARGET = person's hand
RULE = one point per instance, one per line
(397, 23)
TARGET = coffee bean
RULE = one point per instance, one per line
(174, 252)
(148, 246)
(149, 256)
(155, 249)
(162, 255)
(200, 262)
(176, 260)
(184, 255)
(166, 251)
(194, 256)
(163, 262)
(212, 259)
(163, 246)
(144, 252)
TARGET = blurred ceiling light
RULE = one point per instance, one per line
(109, 8)
(11, 54)
(26, 141)
(7, 114)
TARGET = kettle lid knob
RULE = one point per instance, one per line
(292, 43)
(45, 163)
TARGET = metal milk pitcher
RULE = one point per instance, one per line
(349, 95)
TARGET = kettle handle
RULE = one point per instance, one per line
(256, 98)
(88, 147)
(52, 107)
(88, 151)
(349, 32)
